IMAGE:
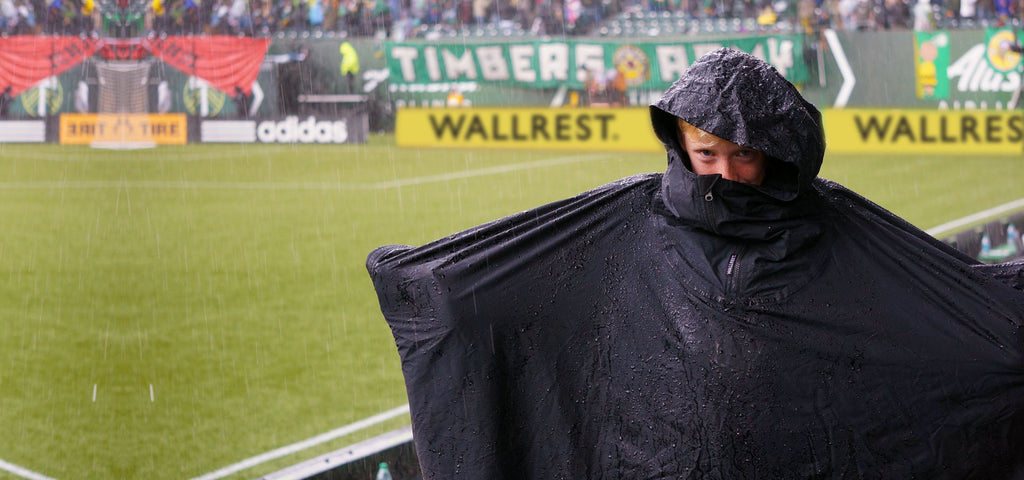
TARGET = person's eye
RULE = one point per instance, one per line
(747, 156)
(704, 152)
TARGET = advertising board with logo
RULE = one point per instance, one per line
(291, 129)
(582, 129)
(924, 131)
(89, 128)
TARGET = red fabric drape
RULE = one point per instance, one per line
(123, 49)
(224, 61)
(25, 60)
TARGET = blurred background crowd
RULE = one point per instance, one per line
(399, 19)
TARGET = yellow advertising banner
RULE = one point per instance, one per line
(577, 129)
(89, 128)
(924, 131)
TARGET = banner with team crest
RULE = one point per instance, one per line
(570, 63)
(1000, 51)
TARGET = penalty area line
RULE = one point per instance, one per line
(22, 472)
(300, 446)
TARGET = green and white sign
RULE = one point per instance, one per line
(556, 63)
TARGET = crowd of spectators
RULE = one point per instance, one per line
(410, 18)
(58, 17)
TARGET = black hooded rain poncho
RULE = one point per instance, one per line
(676, 326)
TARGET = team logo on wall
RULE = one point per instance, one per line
(54, 97)
(633, 63)
(193, 98)
(997, 49)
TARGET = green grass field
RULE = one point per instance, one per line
(165, 313)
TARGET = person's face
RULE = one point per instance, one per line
(710, 155)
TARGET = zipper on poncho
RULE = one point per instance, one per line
(708, 196)
(732, 272)
(708, 212)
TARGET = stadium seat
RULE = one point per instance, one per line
(996, 232)
(1017, 220)
(968, 242)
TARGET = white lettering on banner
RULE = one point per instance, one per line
(434, 87)
(522, 70)
(406, 56)
(492, 63)
(673, 61)
(977, 76)
(433, 69)
(554, 61)
(455, 66)
(372, 78)
(499, 63)
(291, 130)
(780, 54)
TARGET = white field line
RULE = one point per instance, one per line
(312, 442)
(327, 186)
(976, 217)
(22, 472)
(101, 156)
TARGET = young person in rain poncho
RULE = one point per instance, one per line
(733, 318)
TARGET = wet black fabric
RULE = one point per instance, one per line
(671, 326)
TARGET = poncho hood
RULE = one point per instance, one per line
(738, 97)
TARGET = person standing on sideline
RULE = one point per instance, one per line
(349, 66)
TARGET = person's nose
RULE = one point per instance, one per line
(725, 169)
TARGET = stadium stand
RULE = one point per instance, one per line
(996, 241)
(436, 19)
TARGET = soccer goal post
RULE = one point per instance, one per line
(123, 97)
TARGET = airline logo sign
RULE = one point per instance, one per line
(595, 129)
(924, 131)
(86, 128)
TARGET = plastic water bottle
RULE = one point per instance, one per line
(986, 244)
(383, 473)
(1012, 236)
